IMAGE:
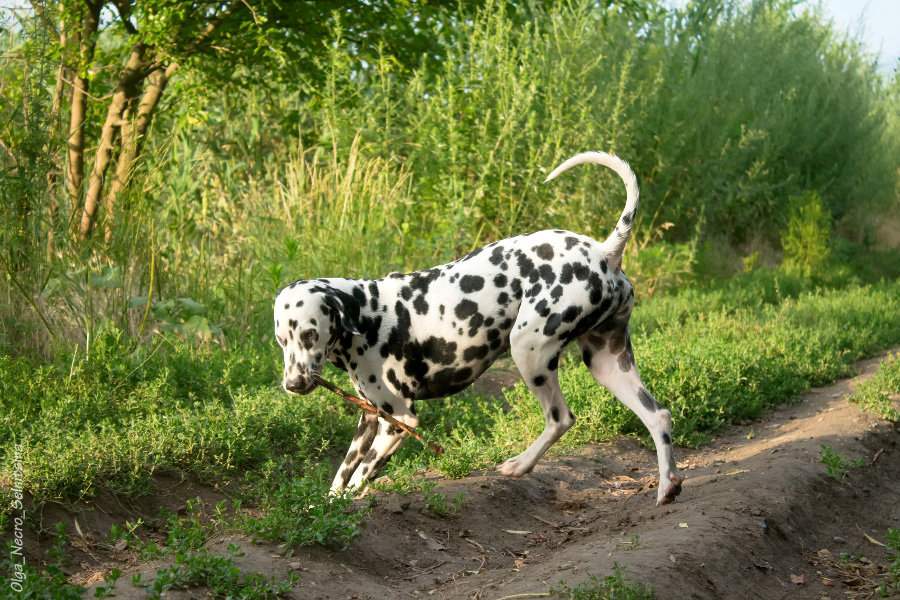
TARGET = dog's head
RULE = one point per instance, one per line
(308, 316)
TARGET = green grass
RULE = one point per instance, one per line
(879, 394)
(712, 357)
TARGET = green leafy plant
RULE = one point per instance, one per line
(218, 573)
(806, 240)
(879, 394)
(892, 585)
(835, 463)
(613, 587)
(300, 511)
(22, 580)
(440, 506)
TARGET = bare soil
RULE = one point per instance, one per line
(759, 517)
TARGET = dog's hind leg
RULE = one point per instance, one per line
(538, 366)
(610, 359)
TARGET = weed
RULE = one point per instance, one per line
(25, 582)
(613, 587)
(218, 573)
(892, 585)
(878, 395)
(835, 463)
(807, 236)
(109, 579)
(301, 511)
(439, 505)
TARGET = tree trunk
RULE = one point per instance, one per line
(85, 41)
(132, 135)
(129, 83)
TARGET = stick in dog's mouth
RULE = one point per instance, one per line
(367, 406)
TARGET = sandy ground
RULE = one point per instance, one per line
(758, 518)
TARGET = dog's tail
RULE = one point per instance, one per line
(615, 243)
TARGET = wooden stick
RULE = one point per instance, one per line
(371, 408)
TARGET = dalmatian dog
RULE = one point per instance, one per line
(431, 333)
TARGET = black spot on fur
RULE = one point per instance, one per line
(571, 313)
(465, 309)
(473, 353)
(648, 401)
(539, 381)
(554, 412)
(386, 407)
(581, 271)
(420, 305)
(496, 256)
(587, 355)
(667, 439)
(526, 265)
(552, 324)
(554, 363)
(439, 350)
(570, 241)
(548, 274)
(471, 283)
(500, 280)
(557, 292)
(516, 287)
(299, 303)
(544, 251)
(371, 379)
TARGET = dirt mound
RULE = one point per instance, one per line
(757, 511)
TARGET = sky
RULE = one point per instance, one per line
(876, 21)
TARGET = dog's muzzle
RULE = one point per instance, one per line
(301, 384)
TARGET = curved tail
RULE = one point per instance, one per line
(615, 243)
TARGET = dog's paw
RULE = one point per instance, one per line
(514, 467)
(668, 492)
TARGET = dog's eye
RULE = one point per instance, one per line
(309, 338)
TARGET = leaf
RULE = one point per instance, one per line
(137, 301)
(192, 306)
(198, 325)
(873, 540)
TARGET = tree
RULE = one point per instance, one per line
(116, 58)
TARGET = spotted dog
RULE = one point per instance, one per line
(431, 333)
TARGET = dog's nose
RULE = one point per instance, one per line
(299, 385)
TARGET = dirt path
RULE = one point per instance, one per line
(756, 513)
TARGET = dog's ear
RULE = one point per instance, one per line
(347, 316)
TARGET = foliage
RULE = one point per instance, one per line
(380, 157)
(612, 587)
(878, 395)
(835, 463)
(217, 573)
(893, 583)
(49, 585)
(807, 236)
(299, 511)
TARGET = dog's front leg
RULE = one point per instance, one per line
(362, 442)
